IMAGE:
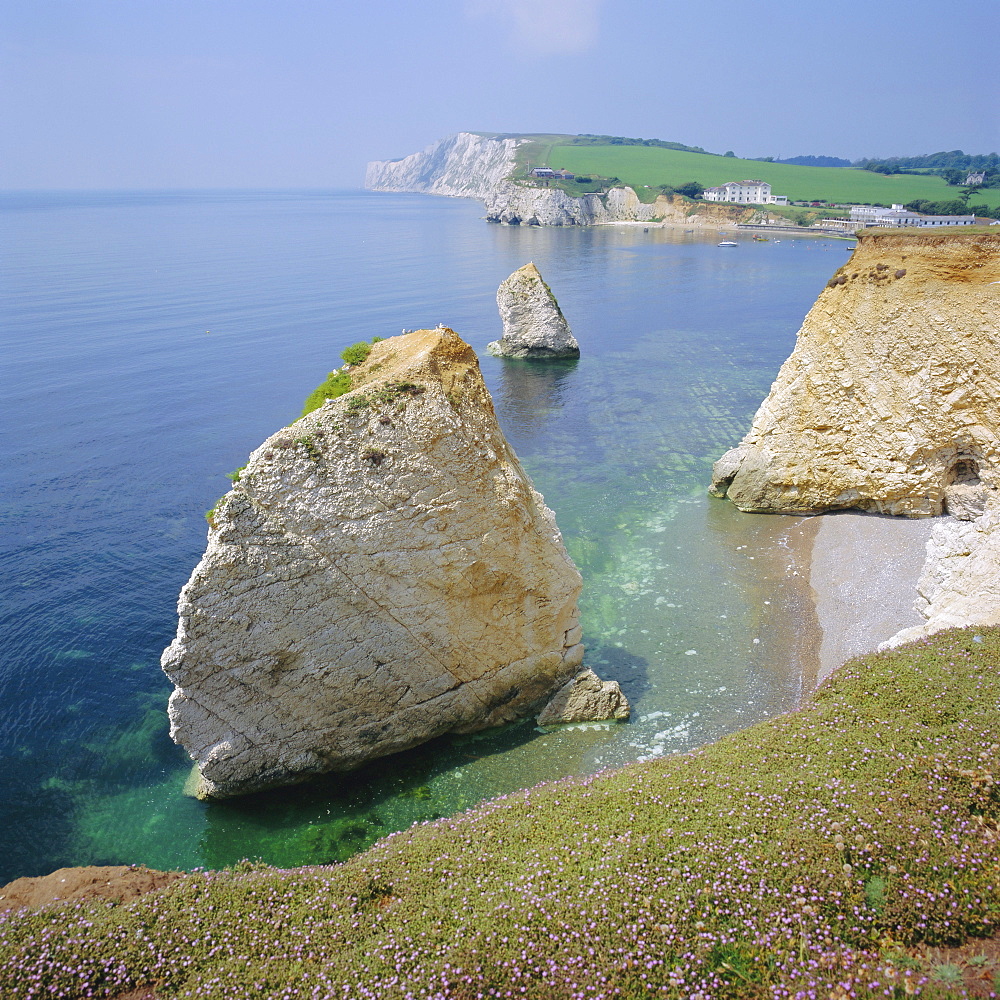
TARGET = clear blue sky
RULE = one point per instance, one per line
(300, 93)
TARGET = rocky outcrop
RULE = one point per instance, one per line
(465, 165)
(521, 204)
(533, 323)
(960, 582)
(890, 395)
(114, 883)
(585, 698)
(382, 573)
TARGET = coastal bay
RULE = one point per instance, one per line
(149, 361)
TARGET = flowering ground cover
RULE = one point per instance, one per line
(826, 853)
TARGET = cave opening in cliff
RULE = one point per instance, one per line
(964, 470)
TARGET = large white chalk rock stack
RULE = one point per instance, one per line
(382, 573)
(533, 323)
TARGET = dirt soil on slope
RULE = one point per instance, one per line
(118, 882)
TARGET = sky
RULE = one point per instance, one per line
(159, 94)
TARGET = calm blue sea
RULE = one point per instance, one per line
(152, 340)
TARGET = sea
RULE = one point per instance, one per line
(151, 340)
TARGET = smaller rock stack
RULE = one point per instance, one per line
(533, 324)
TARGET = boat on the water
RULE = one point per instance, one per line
(728, 243)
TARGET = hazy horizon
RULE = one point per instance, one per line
(100, 95)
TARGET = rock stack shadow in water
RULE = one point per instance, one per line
(530, 394)
(382, 573)
(534, 326)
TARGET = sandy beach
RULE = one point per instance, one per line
(864, 572)
(833, 586)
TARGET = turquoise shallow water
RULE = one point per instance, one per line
(152, 340)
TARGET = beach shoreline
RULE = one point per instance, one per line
(833, 586)
(864, 570)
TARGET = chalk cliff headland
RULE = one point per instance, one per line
(468, 165)
(382, 573)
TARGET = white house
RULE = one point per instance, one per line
(745, 193)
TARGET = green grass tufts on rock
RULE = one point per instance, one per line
(338, 382)
(812, 855)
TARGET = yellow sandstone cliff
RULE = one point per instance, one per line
(892, 393)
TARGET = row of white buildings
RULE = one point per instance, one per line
(759, 193)
(745, 193)
(897, 217)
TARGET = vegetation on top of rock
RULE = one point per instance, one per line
(819, 854)
(358, 353)
(383, 395)
(338, 382)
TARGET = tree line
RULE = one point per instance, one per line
(954, 166)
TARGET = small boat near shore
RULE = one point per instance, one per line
(728, 243)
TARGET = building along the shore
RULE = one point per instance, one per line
(745, 193)
(898, 217)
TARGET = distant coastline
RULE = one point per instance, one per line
(469, 165)
(521, 181)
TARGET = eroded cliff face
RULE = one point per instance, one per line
(382, 573)
(960, 581)
(890, 395)
(465, 165)
(517, 204)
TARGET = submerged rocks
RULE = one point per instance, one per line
(382, 573)
(533, 323)
(889, 397)
(585, 698)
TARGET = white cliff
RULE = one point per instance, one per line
(533, 324)
(521, 204)
(960, 581)
(382, 573)
(465, 165)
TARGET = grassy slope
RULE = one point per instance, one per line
(818, 852)
(646, 165)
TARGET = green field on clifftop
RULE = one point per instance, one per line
(639, 166)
